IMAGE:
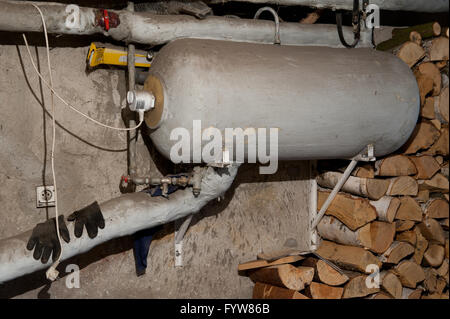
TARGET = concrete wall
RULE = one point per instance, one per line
(259, 213)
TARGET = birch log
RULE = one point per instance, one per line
(367, 187)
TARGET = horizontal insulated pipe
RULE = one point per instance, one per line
(153, 29)
(394, 5)
(123, 215)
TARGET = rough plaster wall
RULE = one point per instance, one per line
(259, 213)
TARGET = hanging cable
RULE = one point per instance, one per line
(356, 19)
(52, 273)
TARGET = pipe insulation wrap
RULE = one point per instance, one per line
(146, 28)
(123, 215)
(431, 6)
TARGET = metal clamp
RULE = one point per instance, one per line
(277, 22)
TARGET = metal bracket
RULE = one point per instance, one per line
(367, 155)
(277, 22)
(181, 227)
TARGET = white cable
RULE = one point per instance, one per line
(70, 105)
(52, 273)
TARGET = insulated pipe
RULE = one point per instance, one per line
(431, 6)
(123, 215)
(153, 29)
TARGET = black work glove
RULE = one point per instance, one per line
(91, 217)
(45, 239)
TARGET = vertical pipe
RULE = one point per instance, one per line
(131, 122)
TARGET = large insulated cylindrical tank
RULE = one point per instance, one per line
(325, 102)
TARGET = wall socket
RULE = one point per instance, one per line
(45, 196)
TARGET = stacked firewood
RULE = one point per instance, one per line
(385, 235)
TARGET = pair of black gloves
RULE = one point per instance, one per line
(44, 238)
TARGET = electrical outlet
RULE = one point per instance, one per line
(45, 196)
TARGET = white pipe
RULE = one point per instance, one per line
(123, 215)
(153, 29)
(394, 5)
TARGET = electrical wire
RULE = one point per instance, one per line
(52, 273)
(70, 105)
(52, 268)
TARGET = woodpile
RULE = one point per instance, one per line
(391, 215)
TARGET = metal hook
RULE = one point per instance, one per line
(277, 21)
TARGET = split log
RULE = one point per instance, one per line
(438, 51)
(440, 147)
(408, 293)
(321, 291)
(409, 210)
(265, 291)
(436, 208)
(264, 263)
(348, 257)
(445, 170)
(426, 85)
(446, 248)
(401, 35)
(444, 223)
(380, 295)
(437, 124)
(403, 225)
(439, 159)
(442, 271)
(386, 208)
(411, 53)
(391, 284)
(432, 283)
(357, 287)
(376, 236)
(421, 247)
(366, 170)
(415, 37)
(441, 106)
(423, 136)
(407, 237)
(367, 187)
(430, 70)
(285, 276)
(353, 212)
(396, 165)
(312, 17)
(434, 255)
(436, 296)
(325, 273)
(403, 185)
(426, 166)
(409, 273)
(423, 196)
(438, 183)
(273, 255)
(432, 231)
(396, 252)
(427, 109)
